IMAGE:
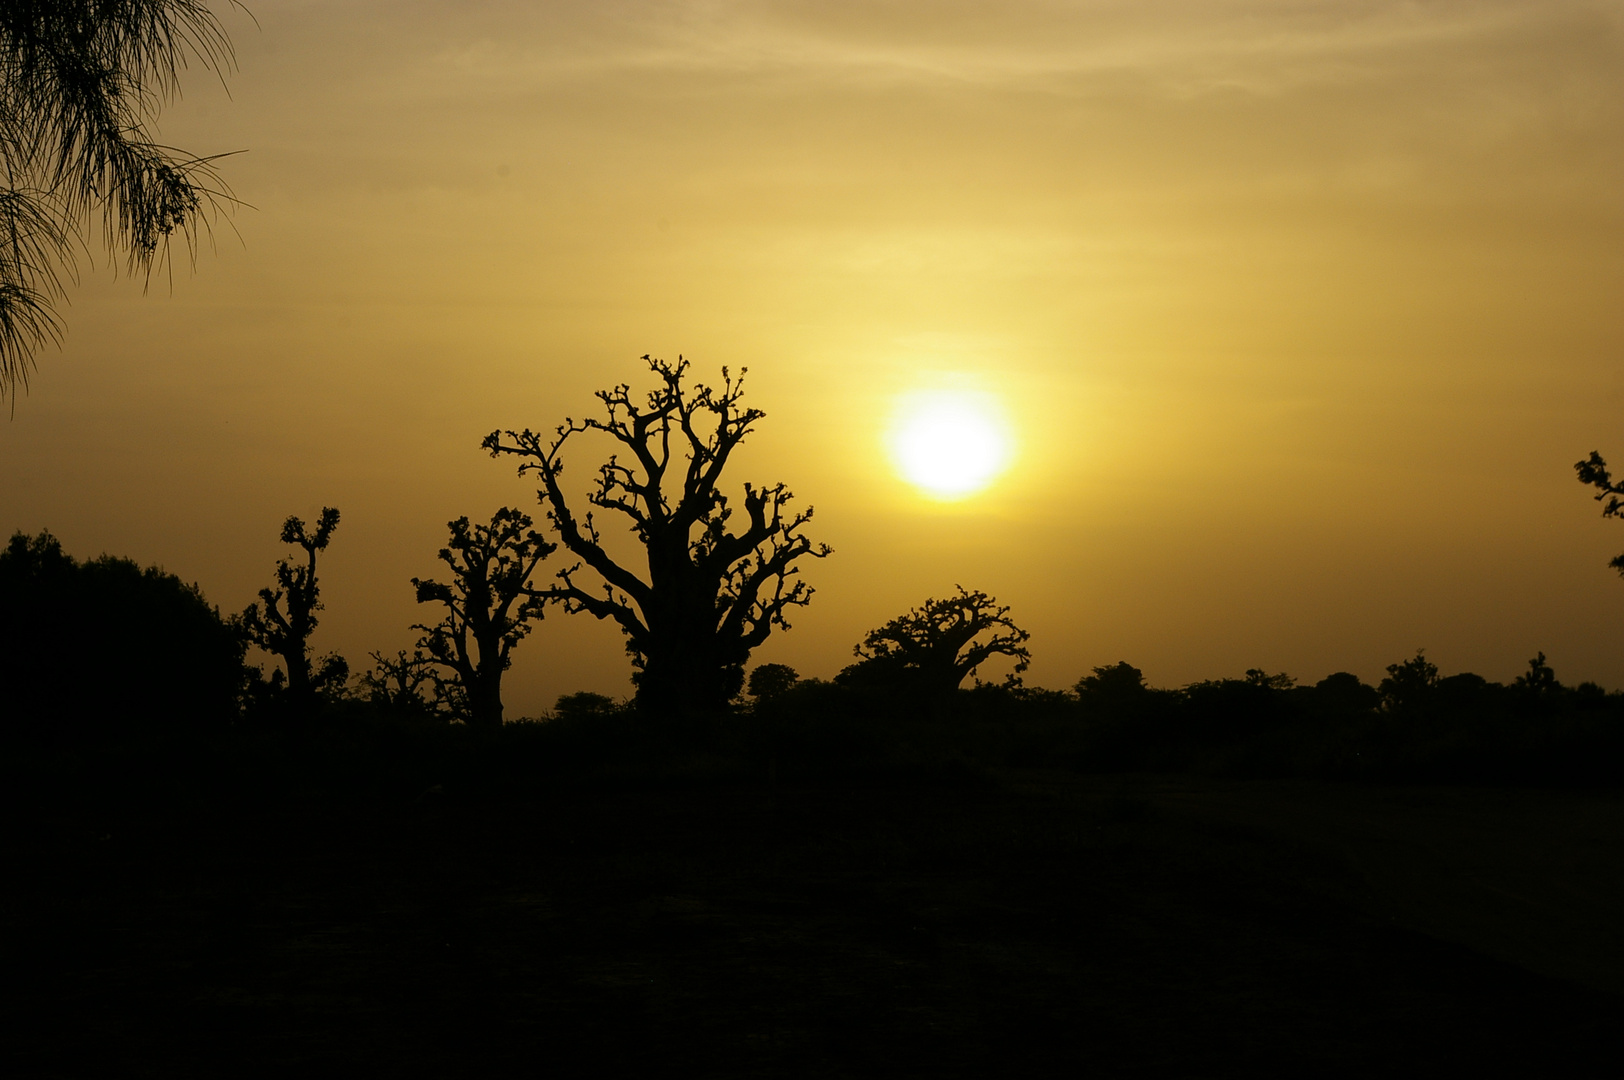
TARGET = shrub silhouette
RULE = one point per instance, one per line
(1465, 691)
(105, 648)
(1229, 711)
(489, 608)
(1345, 693)
(1409, 684)
(585, 705)
(769, 681)
(711, 594)
(931, 649)
(1113, 686)
(1539, 679)
(1260, 678)
(286, 634)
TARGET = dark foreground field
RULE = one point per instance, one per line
(1029, 924)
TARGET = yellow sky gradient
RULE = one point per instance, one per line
(1303, 311)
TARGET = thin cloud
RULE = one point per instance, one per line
(1264, 47)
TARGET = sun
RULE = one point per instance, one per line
(950, 444)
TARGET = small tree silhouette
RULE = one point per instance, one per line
(1540, 678)
(712, 594)
(1345, 692)
(1118, 680)
(286, 634)
(768, 681)
(398, 684)
(1593, 471)
(935, 646)
(488, 600)
(584, 705)
(1114, 691)
(1409, 684)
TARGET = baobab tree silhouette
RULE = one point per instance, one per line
(489, 607)
(935, 646)
(711, 594)
(286, 634)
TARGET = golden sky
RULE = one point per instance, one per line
(1302, 311)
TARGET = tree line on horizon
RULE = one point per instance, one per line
(184, 677)
(95, 645)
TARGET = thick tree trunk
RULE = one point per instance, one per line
(687, 667)
(683, 675)
(485, 701)
(301, 695)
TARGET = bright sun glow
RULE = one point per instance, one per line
(950, 444)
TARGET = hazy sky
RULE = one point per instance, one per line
(1302, 312)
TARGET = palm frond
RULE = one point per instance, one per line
(81, 85)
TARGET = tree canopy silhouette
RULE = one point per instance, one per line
(1410, 683)
(1540, 678)
(1115, 689)
(1593, 471)
(1345, 692)
(488, 600)
(286, 634)
(105, 648)
(81, 84)
(769, 681)
(714, 587)
(936, 645)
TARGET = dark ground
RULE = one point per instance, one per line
(1035, 924)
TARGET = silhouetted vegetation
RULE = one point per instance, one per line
(712, 594)
(286, 633)
(1593, 471)
(1416, 726)
(768, 681)
(104, 649)
(81, 84)
(489, 608)
(103, 646)
(406, 686)
(891, 714)
(930, 651)
(975, 856)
